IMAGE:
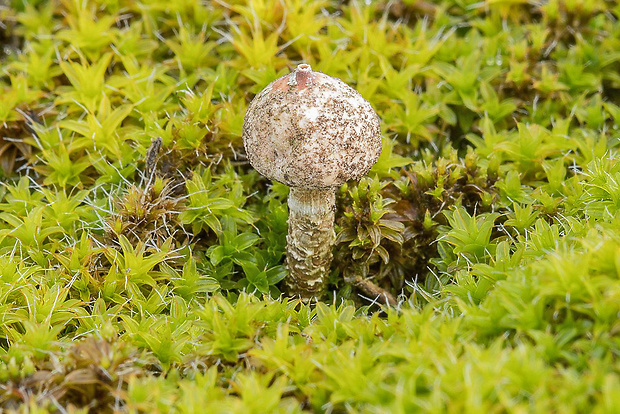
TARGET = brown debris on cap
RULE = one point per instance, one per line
(310, 130)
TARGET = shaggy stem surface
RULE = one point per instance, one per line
(309, 241)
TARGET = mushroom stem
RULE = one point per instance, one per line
(309, 241)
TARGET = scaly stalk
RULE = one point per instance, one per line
(310, 240)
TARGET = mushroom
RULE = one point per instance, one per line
(311, 132)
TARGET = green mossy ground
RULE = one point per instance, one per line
(141, 256)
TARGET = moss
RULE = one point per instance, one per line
(142, 259)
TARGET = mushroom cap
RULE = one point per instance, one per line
(310, 130)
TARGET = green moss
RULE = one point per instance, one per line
(141, 257)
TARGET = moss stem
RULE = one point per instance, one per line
(375, 292)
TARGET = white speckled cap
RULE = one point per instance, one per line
(309, 130)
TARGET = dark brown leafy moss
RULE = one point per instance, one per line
(370, 250)
(93, 375)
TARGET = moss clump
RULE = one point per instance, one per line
(141, 258)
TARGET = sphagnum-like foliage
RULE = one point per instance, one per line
(142, 259)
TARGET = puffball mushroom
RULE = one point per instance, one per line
(313, 133)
